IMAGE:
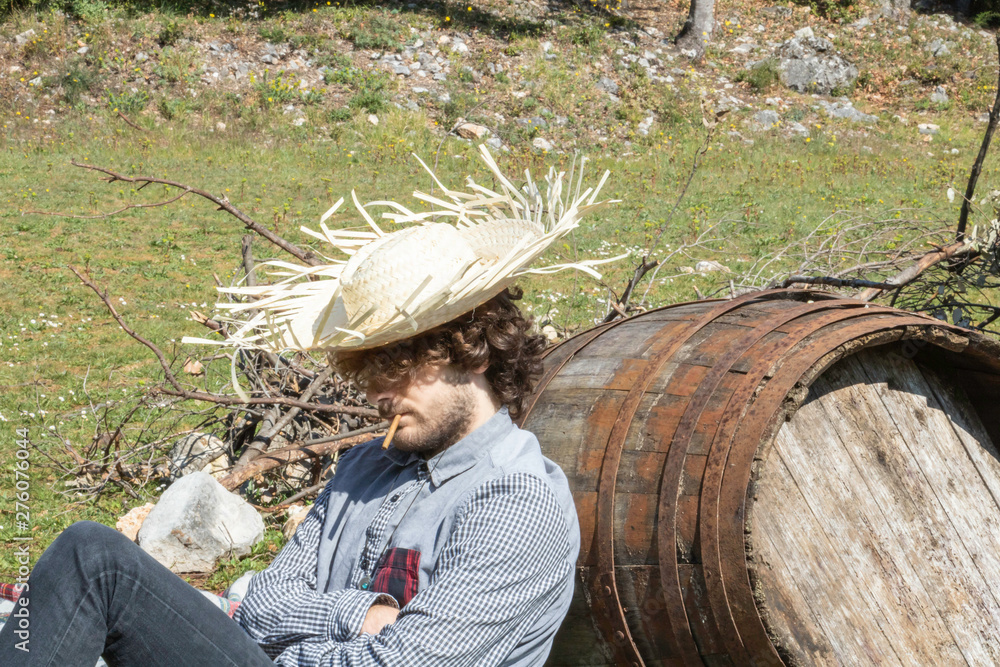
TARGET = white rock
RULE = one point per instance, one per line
(24, 37)
(83, 50)
(373, 119)
(804, 33)
(542, 144)
(951, 195)
(550, 333)
(296, 513)
(472, 131)
(130, 522)
(298, 122)
(220, 127)
(928, 128)
(196, 522)
(193, 452)
(708, 265)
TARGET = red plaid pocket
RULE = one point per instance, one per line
(398, 574)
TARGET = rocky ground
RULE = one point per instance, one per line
(549, 75)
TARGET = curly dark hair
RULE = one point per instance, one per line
(495, 335)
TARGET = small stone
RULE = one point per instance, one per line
(444, 98)
(472, 131)
(928, 128)
(444, 39)
(296, 513)
(24, 37)
(939, 96)
(460, 47)
(707, 266)
(130, 522)
(607, 85)
(550, 333)
(141, 57)
(37, 81)
(546, 47)
(798, 129)
(805, 33)
(495, 143)
(299, 121)
(373, 119)
(192, 453)
(743, 49)
(420, 91)
(767, 119)
(220, 127)
(83, 50)
(542, 144)
(401, 70)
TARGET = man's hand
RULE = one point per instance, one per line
(379, 616)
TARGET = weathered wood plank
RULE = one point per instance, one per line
(968, 508)
(844, 612)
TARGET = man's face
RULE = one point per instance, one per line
(437, 408)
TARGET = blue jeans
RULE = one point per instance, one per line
(94, 592)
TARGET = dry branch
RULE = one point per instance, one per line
(977, 167)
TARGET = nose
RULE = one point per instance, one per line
(381, 398)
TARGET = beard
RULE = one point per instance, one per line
(433, 433)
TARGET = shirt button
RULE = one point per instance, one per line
(394, 498)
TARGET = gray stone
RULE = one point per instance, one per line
(798, 129)
(805, 33)
(542, 144)
(767, 119)
(607, 85)
(440, 76)
(269, 58)
(444, 98)
(646, 125)
(420, 91)
(141, 57)
(83, 50)
(861, 23)
(401, 70)
(778, 11)
(412, 106)
(23, 38)
(939, 96)
(846, 111)
(192, 453)
(196, 522)
(495, 143)
(938, 48)
(743, 49)
(927, 128)
(809, 65)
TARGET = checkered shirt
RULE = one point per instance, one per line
(485, 534)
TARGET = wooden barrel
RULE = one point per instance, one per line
(782, 478)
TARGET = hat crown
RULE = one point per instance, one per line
(427, 257)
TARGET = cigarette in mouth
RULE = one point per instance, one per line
(392, 432)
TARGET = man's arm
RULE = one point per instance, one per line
(505, 562)
(282, 606)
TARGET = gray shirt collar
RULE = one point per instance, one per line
(463, 454)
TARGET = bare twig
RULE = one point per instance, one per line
(977, 167)
(109, 213)
(619, 308)
(831, 282)
(223, 203)
(127, 120)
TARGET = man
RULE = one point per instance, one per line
(455, 546)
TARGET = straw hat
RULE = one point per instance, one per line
(398, 284)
